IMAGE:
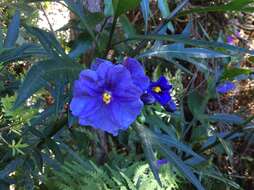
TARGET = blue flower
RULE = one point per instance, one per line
(161, 162)
(160, 90)
(225, 87)
(108, 97)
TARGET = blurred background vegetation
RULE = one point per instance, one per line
(207, 142)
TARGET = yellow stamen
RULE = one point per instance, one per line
(106, 97)
(157, 89)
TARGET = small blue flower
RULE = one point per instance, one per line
(170, 106)
(108, 97)
(161, 162)
(160, 90)
(225, 87)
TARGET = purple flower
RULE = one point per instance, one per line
(160, 90)
(161, 162)
(230, 40)
(225, 87)
(108, 97)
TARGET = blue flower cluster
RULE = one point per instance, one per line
(108, 96)
(225, 87)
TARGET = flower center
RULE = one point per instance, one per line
(157, 89)
(106, 97)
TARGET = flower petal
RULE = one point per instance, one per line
(137, 73)
(125, 113)
(84, 106)
(97, 62)
(163, 98)
(87, 84)
(163, 83)
(102, 120)
(118, 77)
(103, 69)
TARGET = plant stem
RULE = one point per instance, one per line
(109, 45)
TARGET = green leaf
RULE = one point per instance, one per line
(21, 53)
(226, 118)
(81, 48)
(172, 51)
(163, 6)
(1, 39)
(235, 5)
(122, 6)
(13, 31)
(228, 148)
(181, 166)
(48, 41)
(145, 9)
(218, 176)
(55, 149)
(38, 158)
(128, 28)
(231, 73)
(166, 140)
(108, 8)
(148, 149)
(10, 167)
(156, 122)
(195, 104)
(44, 72)
(188, 41)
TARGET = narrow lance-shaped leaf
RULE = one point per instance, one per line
(128, 28)
(44, 72)
(122, 6)
(108, 8)
(145, 9)
(20, 53)
(163, 6)
(226, 118)
(199, 43)
(236, 5)
(1, 39)
(13, 31)
(147, 145)
(231, 73)
(48, 41)
(12, 166)
(181, 166)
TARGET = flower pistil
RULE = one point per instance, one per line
(106, 97)
(157, 89)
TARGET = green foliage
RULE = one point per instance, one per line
(43, 147)
(122, 6)
(73, 175)
(234, 5)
